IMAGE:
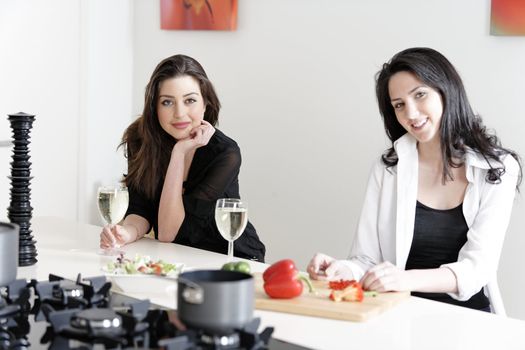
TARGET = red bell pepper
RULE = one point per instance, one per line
(282, 280)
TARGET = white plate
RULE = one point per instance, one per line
(143, 284)
(173, 274)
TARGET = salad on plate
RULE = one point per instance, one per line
(142, 265)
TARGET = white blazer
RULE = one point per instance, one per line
(386, 225)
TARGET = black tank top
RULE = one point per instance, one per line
(438, 237)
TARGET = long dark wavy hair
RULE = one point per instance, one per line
(460, 127)
(147, 146)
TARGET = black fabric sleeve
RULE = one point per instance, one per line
(219, 176)
(199, 201)
(139, 205)
(219, 180)
(213, 174)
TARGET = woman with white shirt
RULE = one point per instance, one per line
(438, 201)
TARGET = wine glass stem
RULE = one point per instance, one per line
(230, 251)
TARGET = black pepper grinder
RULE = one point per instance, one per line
(20, 210)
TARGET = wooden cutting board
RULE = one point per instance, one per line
(319, 305)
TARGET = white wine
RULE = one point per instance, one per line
(112, 204)
(231, 217)
(231, 222)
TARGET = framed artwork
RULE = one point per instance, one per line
(507, 17)
(198, 14)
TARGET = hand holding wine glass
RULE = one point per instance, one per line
(112, 205)
(231, 217)
(115, 236)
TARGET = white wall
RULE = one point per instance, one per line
(106, 70)
(39, 69)
(70, 63)
(296, 83)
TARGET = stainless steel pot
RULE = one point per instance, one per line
(8, 252)
(215, 301)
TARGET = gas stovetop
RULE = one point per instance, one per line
(84, 314)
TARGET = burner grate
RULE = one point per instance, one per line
(83, 314)
(246, 338)
(61, 294)
(14, 313)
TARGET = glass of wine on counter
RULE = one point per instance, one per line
(231, 217)
(112, 204)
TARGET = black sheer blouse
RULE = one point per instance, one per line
(213, 174)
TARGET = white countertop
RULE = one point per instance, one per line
(66, 248)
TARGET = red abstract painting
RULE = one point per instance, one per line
(507, 17)
(198, 14)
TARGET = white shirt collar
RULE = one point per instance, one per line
(406, 146)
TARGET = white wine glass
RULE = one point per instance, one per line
(231, 217)
(112, 204)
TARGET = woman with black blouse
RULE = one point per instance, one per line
(179, 165)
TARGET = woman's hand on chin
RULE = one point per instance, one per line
(202, 134)
(199, 136)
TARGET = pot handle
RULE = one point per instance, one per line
(192, 293)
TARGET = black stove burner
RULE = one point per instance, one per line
(98, 321)
(246, 338)
(9, 340)
(7, 310)
(62, 294)
(83, 314)
(14, 312)
(68, 290)
(114, 329)
(221, 341)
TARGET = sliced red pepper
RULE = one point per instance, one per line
(283, 281)
(351, 291)
(354, 292)
(341, 284)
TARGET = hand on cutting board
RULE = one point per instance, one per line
(385, 277)
(324, 267)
